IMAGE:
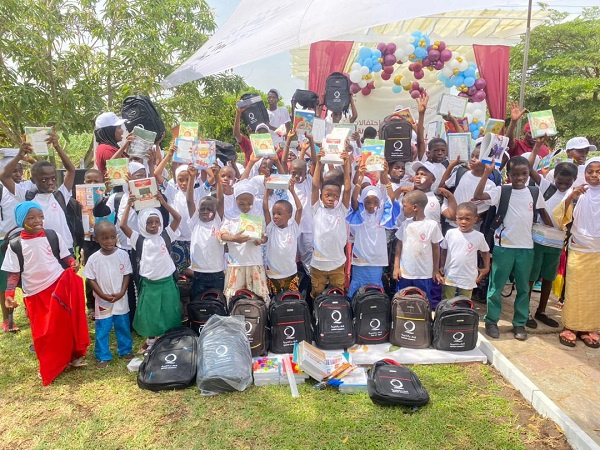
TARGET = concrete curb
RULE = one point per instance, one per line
(575, 435)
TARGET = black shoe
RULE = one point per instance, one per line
(531, 323)
(546, 320)
(520, 333)
(491, 329)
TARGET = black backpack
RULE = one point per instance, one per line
(256, 114)
(397, 136)
(13, 240)
(371, 308)
(289, 317)
(101, 209)
(333, 320)
(337, 93)
(306, 99)
(201, 309)
(72, 210)
(254, 309)
(455, 325)
(391, 384)
(171, 362)
(411, 319)
(139, 110)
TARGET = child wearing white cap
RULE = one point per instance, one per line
(577, 149)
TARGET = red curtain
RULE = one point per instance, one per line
(326, 57)
(492, 62)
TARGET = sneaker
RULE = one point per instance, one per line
(520, 333)
(128, 356)
(491, 329)
(102, 364)
(537, 286)
(531, 323)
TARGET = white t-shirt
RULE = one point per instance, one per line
(7, 203)
(461, 259)
(433, 210)
(553, 201)
(281, 250)
(416, 260)
(156, 262)
(108, 271)
(438, 173)
(177, 198)
(205, 249)
(132, 221)
(276, 119)
(329, 236)
(580, 175)
(54, 216)
(230, 206)
(241, 255)
(466, 188)
(304, 193)
(515, 231)
(370, 242)
(40, 267)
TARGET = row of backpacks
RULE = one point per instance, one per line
(337, 322)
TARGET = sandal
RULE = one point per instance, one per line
(542, 317)
(590, 340)
(565, 338)
(79, 362)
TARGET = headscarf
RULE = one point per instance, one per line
(244, 187)
(370, 191)
(22, 209)
(182, 168)
(143, 217)
(106, 136)
(586, 215)
(134, 166)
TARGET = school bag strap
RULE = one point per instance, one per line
(1, 194)
(14, 241)
(505, 193)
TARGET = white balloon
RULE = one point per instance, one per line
(362, 83)
(405, 81)
(364, 70)
(453, 64)
(447, 71)
(464, 65)
(409, 49)
(377, 82)
(356, 66)
(355, 76)
(399, 54)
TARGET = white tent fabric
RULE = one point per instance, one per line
(259, 29)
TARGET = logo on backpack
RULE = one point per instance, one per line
(337, 317)
(396, 383)
(375, 324)
(398, 145)
(251, 116)
(458, 336)
(248, 327)
(170, 358)
(409, 327)
(289, 332)
(221, 350)
(337, 94)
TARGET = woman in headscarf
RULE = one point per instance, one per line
(581, 313)
(108, 133)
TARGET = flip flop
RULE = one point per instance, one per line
(542, 317)
(565, 340)
(588, 340)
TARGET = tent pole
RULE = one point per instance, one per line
(525, 62)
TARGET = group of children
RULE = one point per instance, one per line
(421, 224)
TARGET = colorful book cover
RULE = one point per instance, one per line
(145, 191)
(88, 195)
(278, 181)
(188, 130)
(493, 147)
(185, 150)
(117, 170)
(459, 146)
(493, 126)
(373, 154)
(334, 146)
(262, 144)
(37, 136)
(463, 122)
(251, 226)
(453, 104)
(206, 154)
(406, 114)
(542, 124)
(143, 140)
(303, 122)
(548, 160)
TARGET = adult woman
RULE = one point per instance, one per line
(108, 133)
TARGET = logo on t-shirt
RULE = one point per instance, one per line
(289, 239)
(423, 237)
(54, 206)
(163, 248)
(432, 206)
(469, 247)
(122, 268)
(213, 231)
(48, 250)
(531, 206)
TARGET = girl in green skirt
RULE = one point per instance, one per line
(158, 309)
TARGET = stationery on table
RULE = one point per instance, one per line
(334, 145)
(262, 144)
(459, 146)
(542, 124)
(145, 192)
(373, 154)
(142, 143)
(457, 106)
(117, 170)
(37, 136)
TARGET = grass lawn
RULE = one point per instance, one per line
(471, 407)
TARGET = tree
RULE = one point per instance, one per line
(564, 73)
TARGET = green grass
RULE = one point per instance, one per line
(470, 407)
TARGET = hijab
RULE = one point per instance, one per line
(143, 217)
(586, 215)
(106, 136)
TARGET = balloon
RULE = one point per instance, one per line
(463, 94)
(478, 97)
(376, 67)
(446, 55)
(434, 55)
(388, 70)
(470, 72)
(476, 134)
(469, 81)
(362, 84)
(355, 76)
(366, 91)
(417, 67)
(381, 47)
(415, 94)
(368, 63)
(439, 65)
(426, 62)
(396, 89)
(371, 85)
(397, 79)
(385, 76)
(377, 82)
(419, 75)
(441, 46)
(399, 54)
(447, 72)
(354, 88)
(409, 49)
(376, 54)
(471, 90)
(389, 60)
(416, 33)
(355, 66)
(480, 83)
(364, 52)
(364, 70)
(453, 64)
(448, 83)
(463, 65)
(391, 48)
(405, 82)
(458, 80)
(420, 52)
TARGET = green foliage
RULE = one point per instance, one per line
(564, 73)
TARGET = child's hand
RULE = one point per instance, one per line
(482, 273)
(128, 141)
(292, 184)
(578, 192)
(444, 192)
(262, 241)
(52, 139)
(422, 103)
(545, 171)
(10, 302)
(455, 162)
(489, 168)
(320, 154)
(438, 276)
(406, 189)
(131, 200)
(253, 158)
(355, 136)
(193, 171)
(172, 149)
(75, 265)
(309, 137)
(25, 149)
(161, 198)
(91, 314)
(240, 238)
(397, 274)
(289, 137)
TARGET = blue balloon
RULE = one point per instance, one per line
(458, 80)
(472, 127)
(368, 62)
(469, 81)
(441, 77)
(427, 40)
(448, 83)
(475, 134)
(473, 65)
(396, 89)
(416, 34)
(376, 67)
(469, 73)
(364, 52)
(375, 54)
(420, 52)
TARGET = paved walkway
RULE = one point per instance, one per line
(569, 376)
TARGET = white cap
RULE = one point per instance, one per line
(108, 119)
(428, 166)
(578, 143)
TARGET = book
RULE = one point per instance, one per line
(463, 122)
(493, 126)
(206, 154)
(459, 145)
(37, 136)
(88, 195)
(262, 144)
(493, 146)
(142, 143)
(433, 130)
(548, 160)
(188, 130)
(185, 150)
(145, 191)
(303, 122)
(453, 104)
(334, 145)
(351, 127)
(117, 170)
(319, 130)
(542, 124)
(278, 181)
(406, 114)
(373, 154)
(251, 226)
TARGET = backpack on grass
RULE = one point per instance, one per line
(391, 384)
(199, 310)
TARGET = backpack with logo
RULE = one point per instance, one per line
(397, 135)
(224, 357)
(254, 309)
(306, 99)
(371, 307)
(289, 318)
(171, 362)
(209, 303)
(333, 320)
(255, 114)
(411, 319)
(455, 325)
(391, 384)
(139, 110)
(337, 93)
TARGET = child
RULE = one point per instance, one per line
(245, 268)
(158, 308)
(423, 181)
(417, 258)
(206, 251)
(283, 233)
(330, 234)
(582, 302)
(226, 178)
(513, 249)
(53, 296)
(303, 189)
(108, 272)
(577, 149)
(459, 254)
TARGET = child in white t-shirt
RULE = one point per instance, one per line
(108, 271)
(283, 233)
(303, 188)
(459, 254)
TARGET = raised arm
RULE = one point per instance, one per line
(220, 196)
(253, 160)
(174, 214)
(316, 181)
(354, 112)
(297, 201)
(421, 107)
(69, 179)
(123, 149)
(515, 115)
(480, 193)
(125, 219)
(236, 124)
(450, 212)
(189, 193)
(286, 148)
(385, 180)
(158, 172)
(358, 185)
(266, 210)
(448, 171)
(6, 173)
(534, 152)
(347, 175)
